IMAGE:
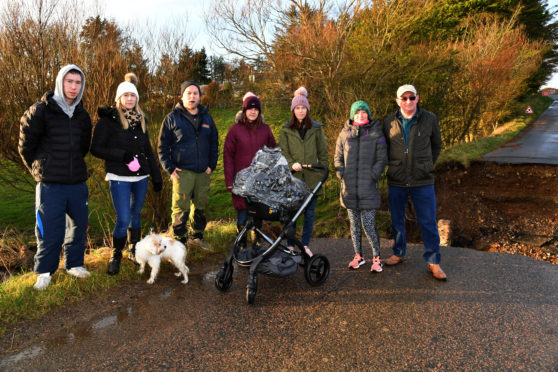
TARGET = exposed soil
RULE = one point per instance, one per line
(501, 208)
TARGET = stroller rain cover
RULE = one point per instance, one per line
(268, 180)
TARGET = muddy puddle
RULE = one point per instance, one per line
(165, 293)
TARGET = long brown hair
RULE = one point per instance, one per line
(306, 122)
(255, 124)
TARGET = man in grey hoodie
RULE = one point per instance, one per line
(55, 135)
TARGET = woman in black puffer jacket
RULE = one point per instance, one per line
(360, 159)
(121, 139)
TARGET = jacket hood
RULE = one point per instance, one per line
(106, 111)
(355, 129)
(238, 117)
(49, 99)
(349, 124)
(59, 90)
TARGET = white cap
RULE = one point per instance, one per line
(405, 88)
(126, 87)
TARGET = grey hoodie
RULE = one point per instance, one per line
(59, 90)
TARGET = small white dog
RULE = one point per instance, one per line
(154, 248)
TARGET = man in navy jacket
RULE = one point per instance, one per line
(188, 150)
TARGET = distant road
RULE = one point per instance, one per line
(537, 144)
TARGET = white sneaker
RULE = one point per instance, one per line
(308, 251)
(43, 280)
(79, 272)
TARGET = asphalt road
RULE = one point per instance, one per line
(537, 144)
(496, 312)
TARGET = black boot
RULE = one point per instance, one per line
(114, 263)
(134, 236)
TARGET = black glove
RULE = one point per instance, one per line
(128, 157)
(157, 186)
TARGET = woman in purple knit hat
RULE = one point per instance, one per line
(302, 141)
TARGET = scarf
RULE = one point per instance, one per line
(359, 124)
(133, 118)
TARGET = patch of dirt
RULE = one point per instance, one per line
(501, 208)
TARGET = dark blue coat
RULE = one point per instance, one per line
(183, 146)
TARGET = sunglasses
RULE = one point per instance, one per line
(411, 98)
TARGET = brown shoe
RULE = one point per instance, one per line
(437, 272)
(199, 243)
(393, 260)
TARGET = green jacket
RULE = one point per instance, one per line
(311, 150)
(414, 166)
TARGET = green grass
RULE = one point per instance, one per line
(18, 301)
(17, 206)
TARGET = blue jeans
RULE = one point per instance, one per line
(308, 226)
(62, 217)
(424, 201)
(127, 198)
(241, 217)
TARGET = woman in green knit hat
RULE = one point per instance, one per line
(360, 159)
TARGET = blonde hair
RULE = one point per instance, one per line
(131, 78)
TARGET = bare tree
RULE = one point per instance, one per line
(36, 38)
(246, 29)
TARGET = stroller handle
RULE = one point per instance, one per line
(318, 167)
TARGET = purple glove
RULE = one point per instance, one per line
(134, 165)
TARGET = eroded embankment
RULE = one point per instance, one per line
(504, 208)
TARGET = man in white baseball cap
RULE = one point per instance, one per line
(414, 143)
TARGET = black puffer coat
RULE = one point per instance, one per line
(53, 145)
(111, 142)
(360, 159)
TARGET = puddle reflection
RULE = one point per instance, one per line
(29, 353)
(90, 329)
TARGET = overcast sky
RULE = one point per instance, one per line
(161, 12)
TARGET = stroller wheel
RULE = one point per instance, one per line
(316, 270)
(223, 279)
(250, 295)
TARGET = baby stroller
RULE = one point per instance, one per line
(272, 257)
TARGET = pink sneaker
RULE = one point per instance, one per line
(357, 262)
(308, 251)
(376, 265)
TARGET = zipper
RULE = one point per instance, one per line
(71, 149)
(197, 151)
(357, 173)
